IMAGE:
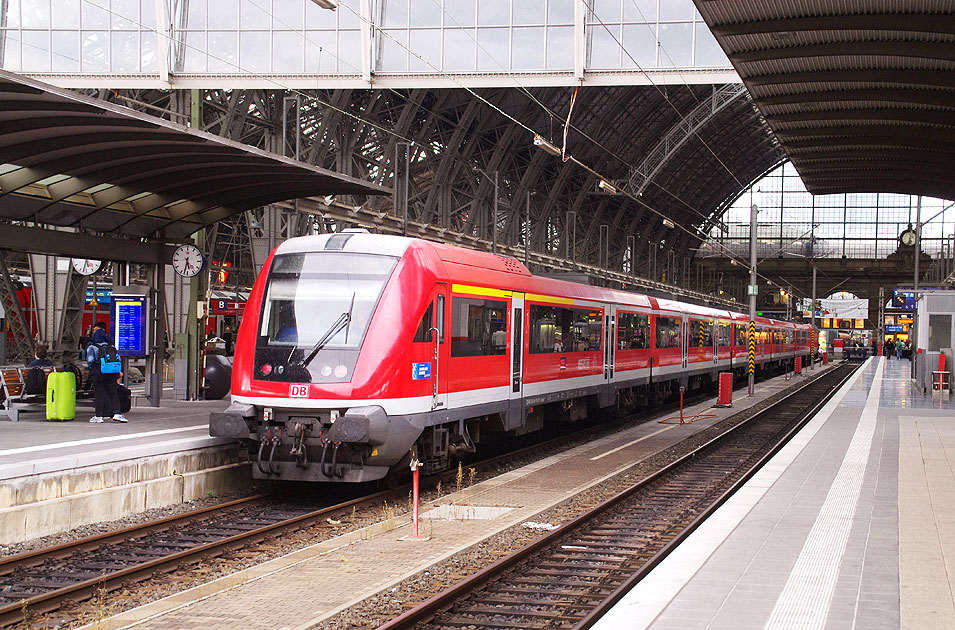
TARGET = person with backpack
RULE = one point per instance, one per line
(105, 366)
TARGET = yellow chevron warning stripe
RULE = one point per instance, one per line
(752, 347)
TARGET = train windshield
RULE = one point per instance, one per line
(319, 296)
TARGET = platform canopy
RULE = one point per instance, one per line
(68, 160)
(861, 95)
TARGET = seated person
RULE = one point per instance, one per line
(41, 360)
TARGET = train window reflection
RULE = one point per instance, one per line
(478, 327)
(668, 332)
(558, 329)
(633, 331)
(308, 293)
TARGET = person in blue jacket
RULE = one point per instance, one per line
(105, 394)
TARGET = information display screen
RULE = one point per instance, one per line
(904, 299)
(130, 313)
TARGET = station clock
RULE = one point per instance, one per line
(86, 266)
(907, 237)
(188, 260)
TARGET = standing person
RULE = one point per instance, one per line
(227, 337)
(105, 395)
(888, 348)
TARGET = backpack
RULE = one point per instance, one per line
(107, 359)
(35, 381)
(125, 398)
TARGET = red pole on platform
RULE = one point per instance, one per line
(414, 499)
(682, 389)
(798, 367)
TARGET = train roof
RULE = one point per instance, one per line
(484, 267)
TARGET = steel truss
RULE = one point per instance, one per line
(457, 142)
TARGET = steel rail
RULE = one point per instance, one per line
(46, 602)
(445, 599)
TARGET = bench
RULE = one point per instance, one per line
(15, 396)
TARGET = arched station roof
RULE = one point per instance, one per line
(861, 95)
(67, 160)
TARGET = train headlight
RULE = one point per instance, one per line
(266, 369)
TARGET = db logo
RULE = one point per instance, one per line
(298, 390)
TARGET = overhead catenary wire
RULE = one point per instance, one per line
(375, 125)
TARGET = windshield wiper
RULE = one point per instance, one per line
(333, 330)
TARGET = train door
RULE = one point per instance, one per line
(610, 340)
(685, 340)
(517, 346)
(715, 340)
(442, 350)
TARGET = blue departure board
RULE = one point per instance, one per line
(130, 313)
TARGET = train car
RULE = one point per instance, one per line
(356, 350)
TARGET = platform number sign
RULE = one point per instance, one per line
(298, 390)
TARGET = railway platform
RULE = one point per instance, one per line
(56, 476)
(357, 565)
(849, 526)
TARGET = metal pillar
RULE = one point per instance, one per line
(401, 184)
(880, 339)
(918, 242)
(494, 219)
(155, 361)
(570, 236)
(14, 315)
(752, 299)
(812, 355)
(527, 232)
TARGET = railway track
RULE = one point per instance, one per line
(570, 577)
(43, 580)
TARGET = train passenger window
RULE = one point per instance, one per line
(724, 334)
(478, 327)
(701, 334)
(742, 334)
(425, 325)
(633, 331)
(558, 329)
(668, 332)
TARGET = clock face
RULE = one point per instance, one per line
(86, 266)
(907, 238)
(187, 260)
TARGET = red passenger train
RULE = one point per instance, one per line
(357, 348)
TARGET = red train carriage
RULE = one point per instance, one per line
(356, 349)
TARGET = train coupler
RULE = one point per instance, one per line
(299, 451)
(331, 469)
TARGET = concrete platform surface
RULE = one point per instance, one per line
(850, 526)
(347, 569)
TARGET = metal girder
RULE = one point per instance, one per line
(78, 245)
(15, 317)
(687, 127)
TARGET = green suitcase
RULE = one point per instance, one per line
(61, 396)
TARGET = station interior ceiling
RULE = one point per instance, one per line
(856, 102)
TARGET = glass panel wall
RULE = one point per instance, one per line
(296, 37)
(650, 34)
(793, 222)
(69, 36)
